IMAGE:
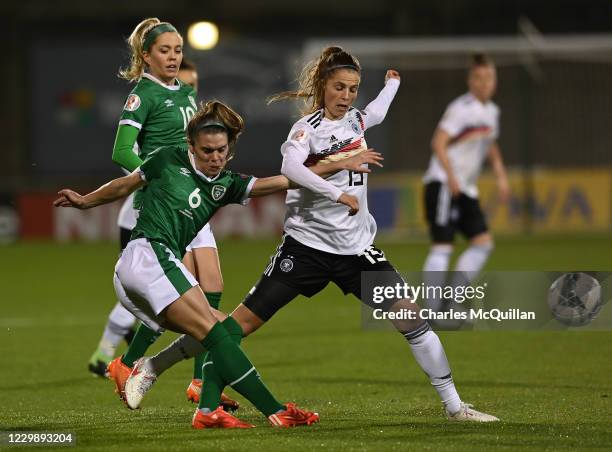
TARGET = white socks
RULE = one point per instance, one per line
(472, 260)
(434, 271)
(120, 322)
(429, 354)
(184, 347)
(438, 258)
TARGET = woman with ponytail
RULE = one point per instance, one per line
(156, 113)
(185, 187)
(323, 242)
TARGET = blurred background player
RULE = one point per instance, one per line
(323, 242)
(185, 187)
(156, 114)
(121, 323)
(466, 136)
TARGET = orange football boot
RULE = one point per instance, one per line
(119, 373)
(217, 419)
(195, 389)
(293, 416)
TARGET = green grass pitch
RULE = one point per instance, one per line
(552, 389)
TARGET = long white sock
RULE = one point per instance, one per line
(119, 323)
(429, 353)
(434, 271)
(184, 347)
(471, 262)
(121, 319)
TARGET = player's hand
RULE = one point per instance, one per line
(356, 162)
(351, 202)
(503, 189)
(392, 73)
(454, 188)
(69, 198)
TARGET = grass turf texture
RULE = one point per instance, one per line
(552, 389)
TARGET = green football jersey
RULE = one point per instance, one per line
(160, 112)
(179, 200)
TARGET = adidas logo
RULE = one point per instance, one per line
(169, 103)
(332, 139)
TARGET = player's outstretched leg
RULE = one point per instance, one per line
(231, 364)
(429, 354)
(147, 371)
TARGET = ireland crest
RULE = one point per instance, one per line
(217, 192)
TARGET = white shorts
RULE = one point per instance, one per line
(127, 215)
(204, 239)
(148, 278)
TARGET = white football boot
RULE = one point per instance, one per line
(467, 413)
(139, 382)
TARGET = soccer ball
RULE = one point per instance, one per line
(574, 299)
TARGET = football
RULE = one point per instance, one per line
(574, 299)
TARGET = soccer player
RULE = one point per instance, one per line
(323, 242)
(184, 188)
(156, 114)
(120, 324)
(465, 137)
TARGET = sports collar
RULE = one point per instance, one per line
(154, 79)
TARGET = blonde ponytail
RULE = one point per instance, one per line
(311, 82)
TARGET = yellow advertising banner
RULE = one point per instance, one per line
(542, 201)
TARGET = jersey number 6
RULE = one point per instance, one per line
(195, 199)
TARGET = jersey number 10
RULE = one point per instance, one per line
(186, 113)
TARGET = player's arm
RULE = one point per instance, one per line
(268, 185)
(111, 191)
(499, 169)
(123, 150)
(376, 110)
(439, 145)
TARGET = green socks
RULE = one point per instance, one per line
(213, 384)
(143, 339)
(214, 299)
(234, 368)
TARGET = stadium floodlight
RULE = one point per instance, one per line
(203, 35)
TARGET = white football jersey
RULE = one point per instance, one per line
(473, 127)
(314, 219)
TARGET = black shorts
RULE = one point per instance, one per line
(296, 269)
(446, 215)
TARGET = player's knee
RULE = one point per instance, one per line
(444, 248)
(248, 321)
(483, 241)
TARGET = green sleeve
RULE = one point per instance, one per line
(123, 150)
(238, 186)
(155, 162)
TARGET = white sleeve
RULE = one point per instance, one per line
(496, 130)
(376, 110)
(453, 120)
(295, 151)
